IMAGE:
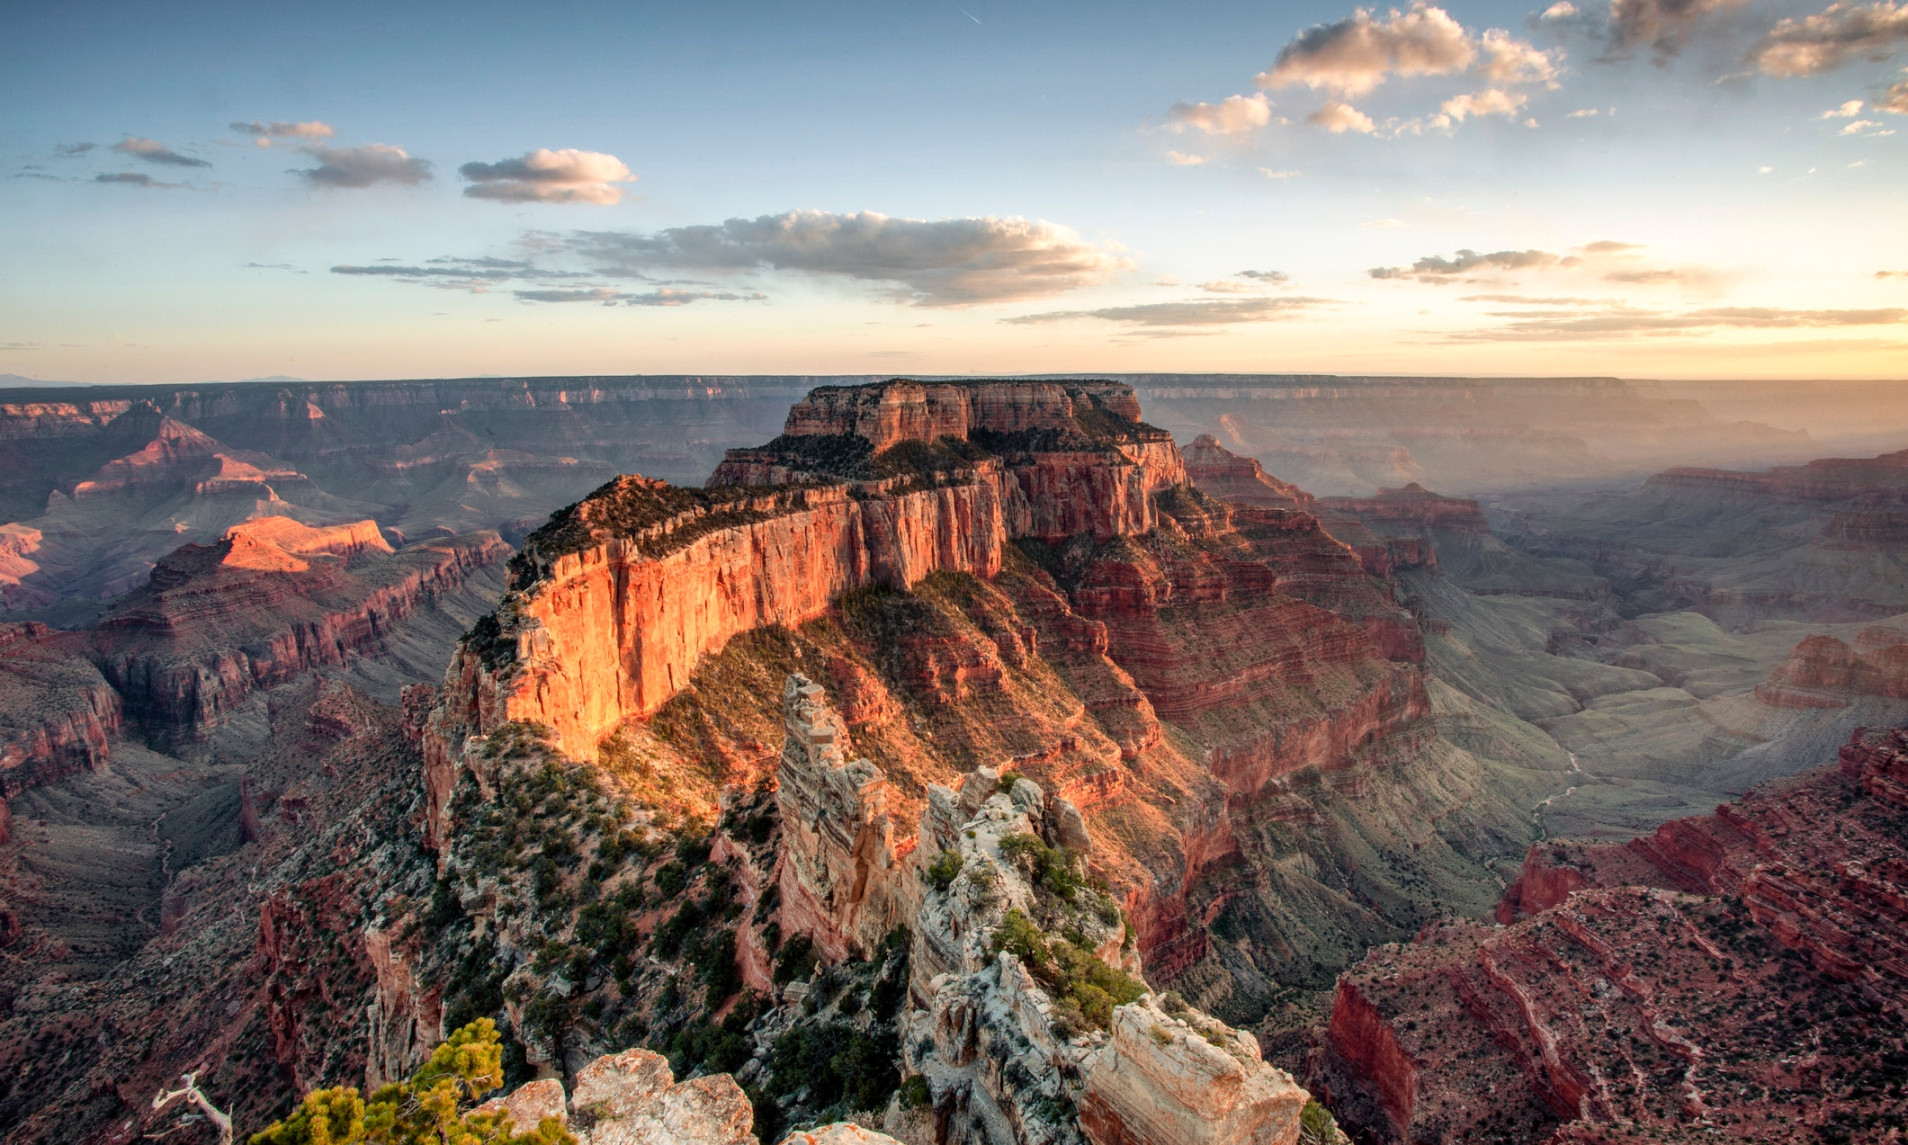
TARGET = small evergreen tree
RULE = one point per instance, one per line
(431, 1108)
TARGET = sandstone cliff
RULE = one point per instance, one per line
(620, 598)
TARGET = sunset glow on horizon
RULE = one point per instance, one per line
(1635, 188)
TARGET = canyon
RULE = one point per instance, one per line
(969, 762)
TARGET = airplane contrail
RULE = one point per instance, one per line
(970, 16)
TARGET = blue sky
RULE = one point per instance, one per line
(1644, 188)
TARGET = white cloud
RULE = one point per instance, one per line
(1492, 101)
(546, 176)
(1849, 110)
(1271, 174)
(1561, 10)
(1583, 113)
(1181, 159)
(1864, 127)
(1339, 118)
(1515, 61)
(366, 166)
(1838, 34)
(1233, 115)
(1356, 54)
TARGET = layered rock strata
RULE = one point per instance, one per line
(58, 713)
(1742, 974)
(219, 622)
(618, 600)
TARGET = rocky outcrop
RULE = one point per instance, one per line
(902, 411)
(632, 1098)
(1221, 473)
(1823, 672)
(840, 1133)
(1185, 1079)
(842, 881)
(1679, 980)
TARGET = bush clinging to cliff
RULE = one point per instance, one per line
(431, 1107)
(1085, 989)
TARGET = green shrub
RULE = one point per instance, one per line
(944, 869)
(797, 959)
(1056, 869)
(836, 1064)
(1085, 988)
(1317, 1126)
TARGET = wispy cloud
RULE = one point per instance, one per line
(1433, 268)
(279, 129)
(153, 151)
(367, 166)
(132, 179)
(1181, 159)
(461, 273)
(1607, 260)
(546, 176)
(68, 150)
(1266, 275)
(934, 262)
(1663, 26)
(664, 297)
(1572, 324)
(1195, 312)
(937, 262)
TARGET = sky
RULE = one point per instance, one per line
(1642, 188)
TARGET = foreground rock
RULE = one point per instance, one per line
(631, 1098)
